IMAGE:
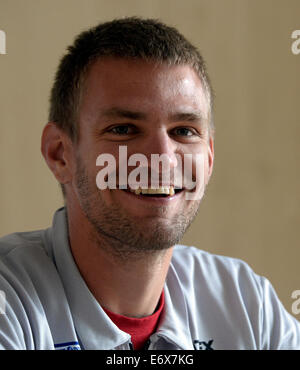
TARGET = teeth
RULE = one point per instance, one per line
(172, 191)
(161, 190)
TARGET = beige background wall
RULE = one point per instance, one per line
(251, 210)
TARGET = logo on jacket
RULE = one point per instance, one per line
(68, 346)
(203, 345)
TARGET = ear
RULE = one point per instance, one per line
(211, 155)
(56, 148)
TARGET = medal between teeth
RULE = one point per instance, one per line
(161, 190)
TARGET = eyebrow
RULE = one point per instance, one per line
(115, 113)
(123, 113)
(186, 117)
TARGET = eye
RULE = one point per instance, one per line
(184, 131)
(122, 130)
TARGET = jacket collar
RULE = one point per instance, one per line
(174, 326)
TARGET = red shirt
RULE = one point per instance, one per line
(140, 329)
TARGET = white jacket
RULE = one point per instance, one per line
(211, 302)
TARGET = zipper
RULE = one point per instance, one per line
(145, 348)
(147, 345)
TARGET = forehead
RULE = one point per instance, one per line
(153, 88)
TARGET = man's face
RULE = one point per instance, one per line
(150, 109)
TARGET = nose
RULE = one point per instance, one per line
(160, 151)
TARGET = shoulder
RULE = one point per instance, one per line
(23, 256)
(225, 292)
(195, 260)
(200, 270)
(28, 280)
(20, 242)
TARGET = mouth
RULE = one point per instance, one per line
(163, 193)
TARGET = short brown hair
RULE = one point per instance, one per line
(132, 37)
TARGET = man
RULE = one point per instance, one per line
(109, 273)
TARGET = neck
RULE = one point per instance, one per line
(128, 286)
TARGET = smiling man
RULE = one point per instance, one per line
(109, 273)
